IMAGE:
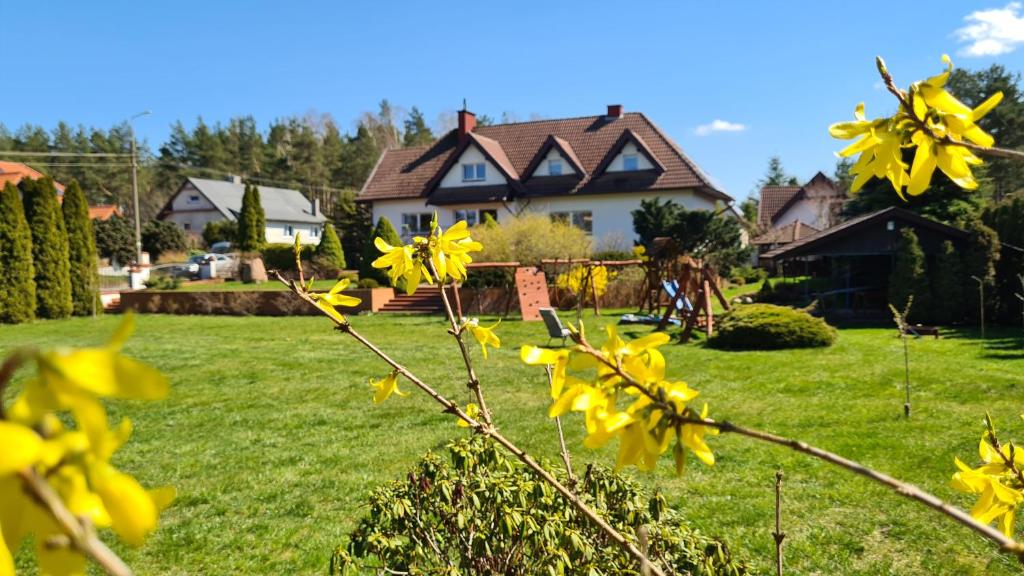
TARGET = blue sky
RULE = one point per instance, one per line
(782, 70)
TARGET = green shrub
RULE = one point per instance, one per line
(484, 513)
(49, 248)
(163, 282)
(220, 231)
(770, 327)
(159, 236)
(747, 274)
(17, 280)
(529, 238)
(251, 221)
(330, 248)
(282, 256)
(85, 279)
(384, 230)
(115, 239)
(368, 283)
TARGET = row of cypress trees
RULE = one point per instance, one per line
(47, 253)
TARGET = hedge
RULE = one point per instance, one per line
(770, 327)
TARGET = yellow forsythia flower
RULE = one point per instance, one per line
(995, 481)
(335, 297)
(485, 336)
(384, 388)
(472, 410)
(447, 251)
(577, 280)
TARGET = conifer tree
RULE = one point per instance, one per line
(948, 280)
(85, 279)
(330, 247)
(261, 216)
(49, 249)
(17, 282)
(387, 232)
(250, 233)
(908, 274)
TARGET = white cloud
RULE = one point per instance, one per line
(719, 126)
(992, 32)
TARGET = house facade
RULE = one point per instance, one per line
(590, 172)
(816, 204)
(199, 201)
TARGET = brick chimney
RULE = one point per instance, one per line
(615, 110)
(467, 122)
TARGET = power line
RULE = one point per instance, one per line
(69, 164)
(68, 154)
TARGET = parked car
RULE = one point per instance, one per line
(220, 247)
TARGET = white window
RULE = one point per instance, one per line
(582, 219)
(630, 162)
(316, 231)
(472, 217)
(193, 199)
(474, 172)
(187, 226)
(289, 231)
(555, 167)
(416, 223)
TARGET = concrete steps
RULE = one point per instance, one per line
(426, 300)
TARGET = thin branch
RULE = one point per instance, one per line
(486, 430)
(1006, 543)
(778, 535)
(83, 539)
(456, 331)
(561, 436)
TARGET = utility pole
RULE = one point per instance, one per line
(135, 187)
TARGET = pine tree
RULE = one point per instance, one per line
(908, 275)
(261, 216)
(387, 232)
(776, 175)
(980, 258)
(948, 280)
(250, 233)
(330, 247)
(85, 280)
(49, 249)
(17, 282)
(417, 133)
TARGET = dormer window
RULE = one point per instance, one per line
(630, 162)
(555, 167)
(476, 172)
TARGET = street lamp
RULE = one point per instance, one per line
(135, 187)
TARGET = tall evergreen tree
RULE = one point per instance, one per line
(251, 235)
(948, 281)
(980, 259)
(17, 281)
(330, 247)
(49, 249)
(261, 216)
(85, 280)
(908, 276)
(417, 133)
(355, 221)
(776, 175)
(387, 232)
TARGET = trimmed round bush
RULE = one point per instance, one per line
(770, 327)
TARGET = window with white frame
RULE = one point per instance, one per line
(193, 199)
(476, 172)
(555, 167)
(630, 162)
(417, 223)
(289, 231)
(582, 219)
(472, 216)
(488, 212)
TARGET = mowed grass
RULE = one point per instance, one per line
(273, 443)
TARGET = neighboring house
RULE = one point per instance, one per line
(590, 171)
(816, 204)
(199, 201)
(777, 237)
(15, 172)
(104, 211)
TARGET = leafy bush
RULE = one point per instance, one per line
(220, 231)
(115, 239)
(368, 283)
(163, 282)
(483, 513)
(330, 250)
(747, 274)
(282, 256)
(769, 327)
(387, 232)
(159, 236)
(530, 238)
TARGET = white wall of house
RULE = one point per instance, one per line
(642, 162)
(191, 211)
(807, 211)
(394, 211)
(471, 155)
(543, 168)
(284, 232)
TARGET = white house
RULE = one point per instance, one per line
(590, 171)
(200, 201)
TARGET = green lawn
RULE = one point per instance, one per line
(273, 443)
(241, 286)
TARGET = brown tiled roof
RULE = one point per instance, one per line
(788, 233)
(773, 199)
(103, 211)
(14, 172)
(414, 172)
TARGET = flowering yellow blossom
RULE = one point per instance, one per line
(484, 335)
(472, 410)
(384, 388)
(630, 371)
(75, 461)
(933, 122)
(447, 251)
(335, 297)
(576, 280)
(997, 483)
(402, 262)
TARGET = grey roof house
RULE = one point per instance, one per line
(200, 201)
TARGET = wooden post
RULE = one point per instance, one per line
(691, 319)
(779, 535)
(593, 289)
(708, 311)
